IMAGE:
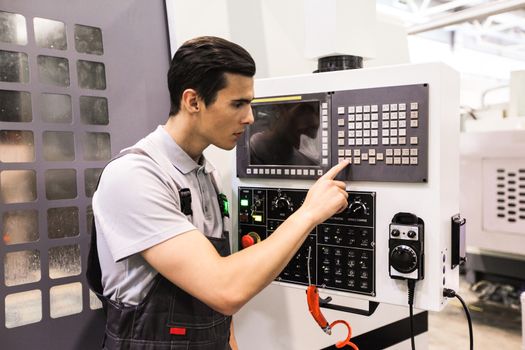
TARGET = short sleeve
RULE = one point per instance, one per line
(137, 206)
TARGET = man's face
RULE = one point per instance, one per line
(223, 122)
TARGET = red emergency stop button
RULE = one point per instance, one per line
(250, 239)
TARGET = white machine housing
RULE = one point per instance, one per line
(435, 201)
(493, 191)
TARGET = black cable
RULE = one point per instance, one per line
(411, 287)
(449, 293)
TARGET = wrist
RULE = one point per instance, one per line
(305, 217)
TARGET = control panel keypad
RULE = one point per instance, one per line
(368, 123)
(342, 249)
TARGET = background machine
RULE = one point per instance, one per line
(399, 128)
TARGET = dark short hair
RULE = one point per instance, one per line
(200, 64)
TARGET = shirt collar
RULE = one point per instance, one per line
(177, 156)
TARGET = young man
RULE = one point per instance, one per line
(168, 278)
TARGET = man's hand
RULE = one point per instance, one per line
(326, 197)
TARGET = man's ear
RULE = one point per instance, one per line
(191, 101)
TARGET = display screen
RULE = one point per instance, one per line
(285, 134)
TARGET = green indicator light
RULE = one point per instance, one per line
(257, 218)
(244, 202)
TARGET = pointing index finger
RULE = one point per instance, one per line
(336, 169)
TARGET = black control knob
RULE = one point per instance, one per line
(411, 234)
(282, 203)
(403, 258)
(395, 233)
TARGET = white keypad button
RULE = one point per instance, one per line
(397, 152)
(359, 142)
(414, 123)
(404, 160)
(366, 133)
(324, 112)
(340, 142)
(351, 142)
(359, 133)
(405, 152)
(374, 141)
(413, 160)
(413, 151)
(357, 160)
(324, 105)
(351, 109)
(393, 115)
(385, 108)
(340, 122)
(340, 152)
(324, 146)
(402, 123)
(364, 156)
(340, 110)
(413, 105)
(366, 141)
(325, 125)
(325, 153)
(366, 109)
(393, 107)
(393, 124)
(402, 115)
(414, 115)
(359, 109)
(351, 133)
(371, 161)
(312, 172)
(385, 116)
(402, 106)
(267, 171)
(414, 140)
(272, 171)
(373, 133)
(325, 161)
(319, 172)
(389, 160)
(324, 133)
(351, 118)
(402, 140)
(358, 117)
(385, 141)
(379, 156)
(299, 171)
(286, 171)
(393, 140)
(357, 152)
(397, 160)
(358, 125)
(249, 171)
(372, 152)
(374, 116)
(348, 152)
(366, 117)
(402, 132)
(385, 124)
(325, 139)
(366, 125)
(340, 133)
(374, 125)
(393, 132)
(325, 118)
(385, 132)
(256, 171)
(351, 126)
(340, 159)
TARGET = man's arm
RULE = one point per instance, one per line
(233, 341)
(225, 284)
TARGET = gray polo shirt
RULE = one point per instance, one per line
(137, 206)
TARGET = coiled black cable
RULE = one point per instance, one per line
(449, 293)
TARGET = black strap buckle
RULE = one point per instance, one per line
(185, 201)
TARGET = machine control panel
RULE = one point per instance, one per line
(383, 132)
(342, 248)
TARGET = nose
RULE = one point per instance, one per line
(248, 119)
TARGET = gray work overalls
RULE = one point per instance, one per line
(167, 318)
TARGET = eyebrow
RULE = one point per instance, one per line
(243, 100)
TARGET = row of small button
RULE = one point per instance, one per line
(375, 108)
(278, 171)
(324, 143)
(374, 141)
(372, 152)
